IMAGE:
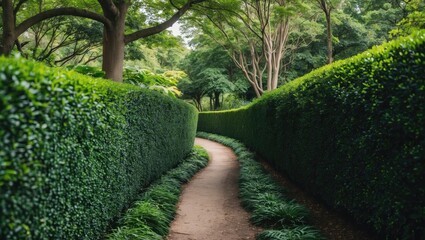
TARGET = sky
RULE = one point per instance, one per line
(175, 30)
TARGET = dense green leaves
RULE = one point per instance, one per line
(75, 150)
(352, 133)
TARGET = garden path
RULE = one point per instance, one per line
(209, 207)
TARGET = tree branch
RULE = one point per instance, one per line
(18, 6)
(19, 46)
(70, 11)
(109, 8)
(172, 4)
(92, 58)
(162, 26)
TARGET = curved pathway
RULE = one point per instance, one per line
(209, 207)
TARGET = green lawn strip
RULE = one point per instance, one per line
(151, 215)
(267, 201)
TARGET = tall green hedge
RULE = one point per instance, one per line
(352, 133)
(75, 150)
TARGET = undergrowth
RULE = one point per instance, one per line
(270, 207)
(150, 216)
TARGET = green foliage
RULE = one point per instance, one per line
(150, 217)
(414, 21)
(297, 233)
(147, 213)
(88, 70)
(265, 198)
(165, 83)
(60, 40)
(135, 233)
(75, 150)
(276, 214)
(210, 73)
(352, 133)
(146, 77)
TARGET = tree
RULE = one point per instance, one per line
(210, 73)
(158, 53)
(258, 35)
(193, 90)
(414, 21)
(216, 83)
(327, 6)
(62, 40)
(111, 13)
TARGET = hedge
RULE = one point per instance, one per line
(74, 150)
(351, 133)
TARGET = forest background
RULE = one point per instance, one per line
(229, 51)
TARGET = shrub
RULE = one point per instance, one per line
(74, 150)
(352, 133)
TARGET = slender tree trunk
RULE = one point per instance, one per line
(8, 18)
(198, 102)
(269, 64)
(216, 100)
(253, 76)
(114, 45)
(329, 37)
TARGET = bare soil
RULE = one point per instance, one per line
(209, 206)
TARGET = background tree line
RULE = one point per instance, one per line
(238, 49)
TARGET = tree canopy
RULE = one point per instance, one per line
(266, 43)
(147, 18)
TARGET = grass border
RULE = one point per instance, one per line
(270, 207)
(150, 216)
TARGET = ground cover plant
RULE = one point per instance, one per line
(267, 201)
(74, 151)
(351, 133)
(150, 216)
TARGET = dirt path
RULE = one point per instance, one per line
(209, 207)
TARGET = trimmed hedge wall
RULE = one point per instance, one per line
(352, 133)
(75, 150)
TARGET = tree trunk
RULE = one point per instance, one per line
(329, 35)
(8, 38)
(216, 100)
(113, 53)
(199, 103)
(211, 102)
(113, 46)
(8, 43)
